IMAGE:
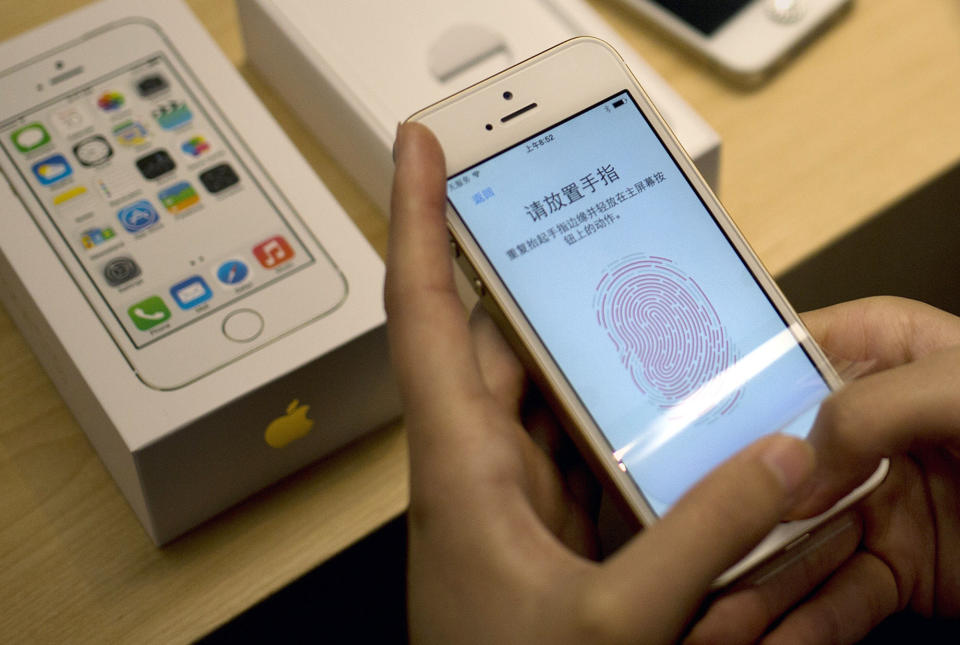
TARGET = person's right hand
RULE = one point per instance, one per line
(499, 535)
(907, 408)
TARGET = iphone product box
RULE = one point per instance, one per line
(208, 312)
(353, 70)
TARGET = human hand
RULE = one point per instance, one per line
(907, 408)
(498, 539)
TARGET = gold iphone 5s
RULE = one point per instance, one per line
(638, 307)
(180, 241)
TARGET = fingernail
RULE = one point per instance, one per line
(791, 460)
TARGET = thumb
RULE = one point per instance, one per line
(708, 530)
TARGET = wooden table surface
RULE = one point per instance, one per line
(865, 116)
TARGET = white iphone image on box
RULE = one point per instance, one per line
(636, 304)
(182, 244)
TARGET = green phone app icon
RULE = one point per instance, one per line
(30, 137)
(149, 313)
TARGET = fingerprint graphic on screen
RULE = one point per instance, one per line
(665, 330)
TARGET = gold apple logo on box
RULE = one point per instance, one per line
(290, 427)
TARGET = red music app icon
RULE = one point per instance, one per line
(273, 252)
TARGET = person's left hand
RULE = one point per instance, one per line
(499, 543)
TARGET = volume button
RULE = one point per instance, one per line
(478, 287)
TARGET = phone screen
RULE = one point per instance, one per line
(644, 304)
(151, 198)
(706, 17)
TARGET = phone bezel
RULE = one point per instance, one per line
(200, 347)
(459, 124)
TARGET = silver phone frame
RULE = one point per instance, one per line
(143, 360)
(751, 44)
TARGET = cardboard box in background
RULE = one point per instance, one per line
(353, 70)
(182, 455)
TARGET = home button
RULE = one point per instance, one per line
(242, 325)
